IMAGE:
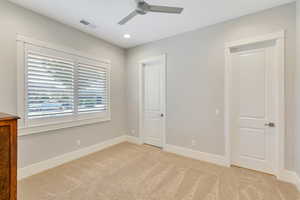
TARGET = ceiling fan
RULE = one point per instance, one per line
(143, 8)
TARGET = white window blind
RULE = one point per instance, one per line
(92, 88)
(62, 88)
(50, 86)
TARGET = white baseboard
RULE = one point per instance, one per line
(285, 175)
(133, 139)
(290, 177)
(207, 157)
(54, 162)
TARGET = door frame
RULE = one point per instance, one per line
(162, 57)
(279, 38)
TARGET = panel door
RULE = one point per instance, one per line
(153, 102)
(253, 109)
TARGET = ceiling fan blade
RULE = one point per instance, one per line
(128, 17)
(165, 9)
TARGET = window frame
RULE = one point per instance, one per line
(32, 126)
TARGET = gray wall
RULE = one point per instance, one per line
(35, 148)
(195, 78)
(297, 92)
(195, 60)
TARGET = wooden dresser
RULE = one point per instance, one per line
(8, 157)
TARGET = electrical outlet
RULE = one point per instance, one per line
(78, 142)
(194, 142)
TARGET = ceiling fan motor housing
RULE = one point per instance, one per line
(142, 8)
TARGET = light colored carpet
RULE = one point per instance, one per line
(132, 172)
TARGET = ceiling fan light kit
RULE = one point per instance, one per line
(143, 8)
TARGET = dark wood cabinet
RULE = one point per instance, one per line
(8, 157)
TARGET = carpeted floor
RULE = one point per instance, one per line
(131, 172)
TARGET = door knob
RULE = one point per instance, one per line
(270, 124)
(162, 115)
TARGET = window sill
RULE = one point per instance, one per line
(61, 125)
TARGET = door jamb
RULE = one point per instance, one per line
(163, 57)
(279, 38)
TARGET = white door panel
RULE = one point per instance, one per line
(153, 74)
(252, 142)
(252, 83)
(248, 137)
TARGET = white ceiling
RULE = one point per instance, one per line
(106, 14)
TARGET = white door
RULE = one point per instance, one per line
(153, 101)
(253, 107)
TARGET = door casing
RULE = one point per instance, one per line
(278, 38)
(162, 57)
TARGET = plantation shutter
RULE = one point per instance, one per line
(61, 88)
(50, 86)
(92, 88)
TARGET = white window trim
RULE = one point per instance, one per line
(49, 125)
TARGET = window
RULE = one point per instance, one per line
(92, 89)
(59, 88)
(50, 86)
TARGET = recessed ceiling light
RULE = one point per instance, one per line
(127, 36)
